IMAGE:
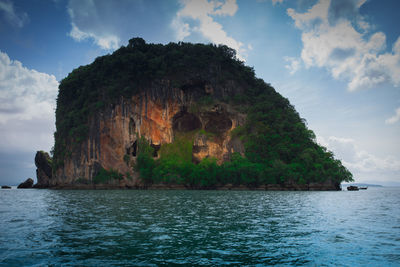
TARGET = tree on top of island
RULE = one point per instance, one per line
(182, 114)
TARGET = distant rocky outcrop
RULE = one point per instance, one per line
(5, 187)
(27, 184)
(43, 162)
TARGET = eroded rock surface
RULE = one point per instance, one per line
(27, 184)
(44, 174)
(112, 141)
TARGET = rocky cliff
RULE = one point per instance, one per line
(182, 114)
(158, 115)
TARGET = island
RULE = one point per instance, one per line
(180, 115)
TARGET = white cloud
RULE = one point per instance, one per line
(105, 42)
(182, 29)
(204, 11)
(14, 18)
(395, 118)
(318, 11)
(27, 100)
(331, 40)
(228, 8)
(357, 160)
(111, 23)
(294, 64)
(81, 12)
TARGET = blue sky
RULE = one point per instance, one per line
(338, 62)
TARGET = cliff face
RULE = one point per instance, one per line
(188, 115)
(157, 114)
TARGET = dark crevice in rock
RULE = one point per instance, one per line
(218, 123)
(156, 148)
(193, 85)
(132, 126)
(197, 149)
(132, 150)
(185, 122)
(96, 169)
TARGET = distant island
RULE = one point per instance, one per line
(180, 115)
(362, 185)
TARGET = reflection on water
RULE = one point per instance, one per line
(111, 227)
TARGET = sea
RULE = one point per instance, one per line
(185, 227)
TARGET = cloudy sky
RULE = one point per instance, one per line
(337, 61)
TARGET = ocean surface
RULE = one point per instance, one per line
(128, 227)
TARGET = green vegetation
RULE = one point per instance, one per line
(279, 146)
(201, 104)
(145, 163)
(175, 166)
(127, 159)
(81, 180)
(130, 70)
(106, 176)
(205, 133)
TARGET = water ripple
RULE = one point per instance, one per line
(151, 228)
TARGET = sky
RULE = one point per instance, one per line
(338, 62)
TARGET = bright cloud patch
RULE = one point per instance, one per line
(394, 118)
(86, 24)
(293, 64)
(358, 160)
(27, 109)
(335, 37)
(204, 12)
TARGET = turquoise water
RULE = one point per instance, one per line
(111, 227)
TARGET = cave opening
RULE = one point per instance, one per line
(218, 123)
(132, 150)
(185, 122)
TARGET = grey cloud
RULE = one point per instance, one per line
(10, 109)
(16, 167)
(27, 100)
(342, 54)
(11, 16)
(27, 135)
(364, 165)
(344, 9)
(315, 23)
(377, 74)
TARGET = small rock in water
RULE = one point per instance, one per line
(5, 187)
(27, 184)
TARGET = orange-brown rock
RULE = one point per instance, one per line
(113, 134)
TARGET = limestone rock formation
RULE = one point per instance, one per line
(114, 133)
(27, 184)
(43, 164)
(186, 115)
